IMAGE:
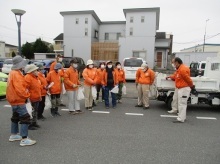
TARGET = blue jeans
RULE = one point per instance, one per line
(113, 95)
(19, 112)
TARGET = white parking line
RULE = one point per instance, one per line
(7, 106)
(65, 109)
(169, 116)
(134, 114)
(102, 112)
(207, 118)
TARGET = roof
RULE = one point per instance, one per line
(59, 37)
(206, 44)
(154, 9)
(92, 12)
(10, 45)
(113, 22)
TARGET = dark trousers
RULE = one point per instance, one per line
(41, 106)
(119, 95)
(55, 100)
(34, 112)
(113, 95)
(99, 87)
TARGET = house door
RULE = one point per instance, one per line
(159, 59)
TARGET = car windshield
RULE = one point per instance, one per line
(132, 62)
(8, 62)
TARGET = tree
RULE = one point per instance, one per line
(40, 47)
(13, 54)
(27, 50)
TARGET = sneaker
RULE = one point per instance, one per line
(53, 114)
(36, 125)
(16, 137)
(146, 107)
(27, 142)
(57, 113)
(138, 105)
(172, 111)
(119, 101)
(31, 127)
(90, 108)
(72, 112)
(79, 111)
(42, 118)
(62, 105)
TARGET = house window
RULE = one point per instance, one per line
(96, 34)
(77, 20)
(86, 20)
(142, 19)
(131, 19)
(86, 31)
(106, 36)
(215, 66)
(118, 35)
(131, 31)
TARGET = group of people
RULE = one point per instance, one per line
(34, 86)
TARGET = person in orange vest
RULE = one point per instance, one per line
(100, 74)
(109, 81)
(44, 84)
(34, 87)
(59, 59)
(144, 78)
(121, 80)
(90, 78)
(17, 94)
(71, 82)
(53, 79)
(184, 85)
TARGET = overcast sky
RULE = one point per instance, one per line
(185, 19)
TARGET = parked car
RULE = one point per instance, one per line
(8, 64)
(197, 68)
(3, 84)
(131, 65)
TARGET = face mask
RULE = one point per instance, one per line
(102, 66)
(118, 66)
(60, 59)
(75, 65)
(90, 66)
(109, 66)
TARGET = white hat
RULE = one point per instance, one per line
(144, 65)
(89, 62)
(18, 63)
(30, 68)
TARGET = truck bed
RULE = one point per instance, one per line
(202, 84)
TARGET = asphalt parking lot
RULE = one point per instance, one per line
(122, 135)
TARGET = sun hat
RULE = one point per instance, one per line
(58, 66)
(18, 63)
(89, 62)
(30, 68)
(144, 65)
(40, 66)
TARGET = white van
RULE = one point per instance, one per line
(131, 65)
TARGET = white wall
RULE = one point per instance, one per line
(2, 49)
(110, 28)
(74, 36)
(143, 38)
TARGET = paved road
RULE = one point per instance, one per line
(118, 137)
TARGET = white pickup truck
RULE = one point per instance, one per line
(207, 86)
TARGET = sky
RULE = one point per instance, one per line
(185, 19)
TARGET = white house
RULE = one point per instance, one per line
(6, 50)
(207, 47)
(85, 35)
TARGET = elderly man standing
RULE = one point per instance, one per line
(144, 78)
(184, 85)
(16, 95)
